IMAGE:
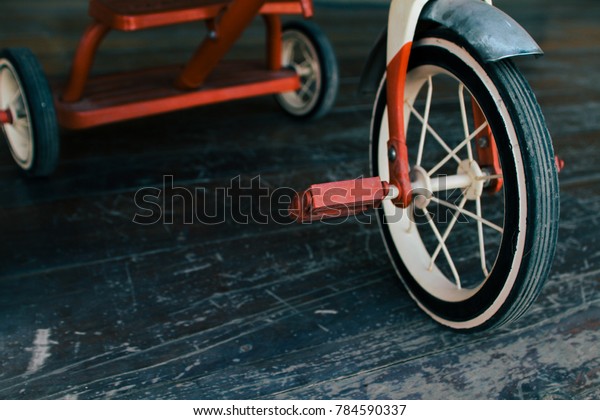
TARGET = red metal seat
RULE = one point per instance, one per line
(132, 15)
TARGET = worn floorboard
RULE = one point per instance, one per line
(94, 306)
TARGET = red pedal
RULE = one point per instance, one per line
(338, 199)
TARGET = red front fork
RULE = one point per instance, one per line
(399, 168)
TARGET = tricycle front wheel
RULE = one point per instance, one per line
(476, 244)
(307, 50)
(28, 115)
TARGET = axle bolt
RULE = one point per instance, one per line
(5, 117)
(392, 154)
(486, 172)
(483, 141)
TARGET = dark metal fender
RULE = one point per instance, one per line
(491, 32)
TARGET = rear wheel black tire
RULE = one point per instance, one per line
(33, 136)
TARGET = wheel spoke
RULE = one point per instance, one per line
(463, 113)
(9, 88)
(433, 133)
(22, 129)
(287, 58)
(305, 52)
(488, 177)
(452, 153)
(425, 121)
(411, 212)
(306, 89)
(481, 239)
(436, 232)
(16, 96)
(307, 62)
(21, 115)
(461, 205)
(468, 213)
(304, 69)
(21, 123)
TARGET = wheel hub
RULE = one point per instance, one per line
(469, 178)
(472, 169)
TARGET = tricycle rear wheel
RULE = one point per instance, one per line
(307, 50)
(31, 127)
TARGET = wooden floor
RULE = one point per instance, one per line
(95, 306)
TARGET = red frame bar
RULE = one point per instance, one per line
(287, 7)
(83, 60)
(142, 93)
(131, 21)
(233, 22)
(307, 8)
(274, 42)
(134, 19)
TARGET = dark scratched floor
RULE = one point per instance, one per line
(93, 305)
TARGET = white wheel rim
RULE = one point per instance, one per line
(12, 98)
(299, 53)
(401, 225)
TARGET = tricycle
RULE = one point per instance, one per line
(464, 178)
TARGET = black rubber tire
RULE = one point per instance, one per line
(40, 103)
(329, 71)
(498, 301)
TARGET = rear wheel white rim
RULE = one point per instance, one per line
(299, 54)
(12, 98)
